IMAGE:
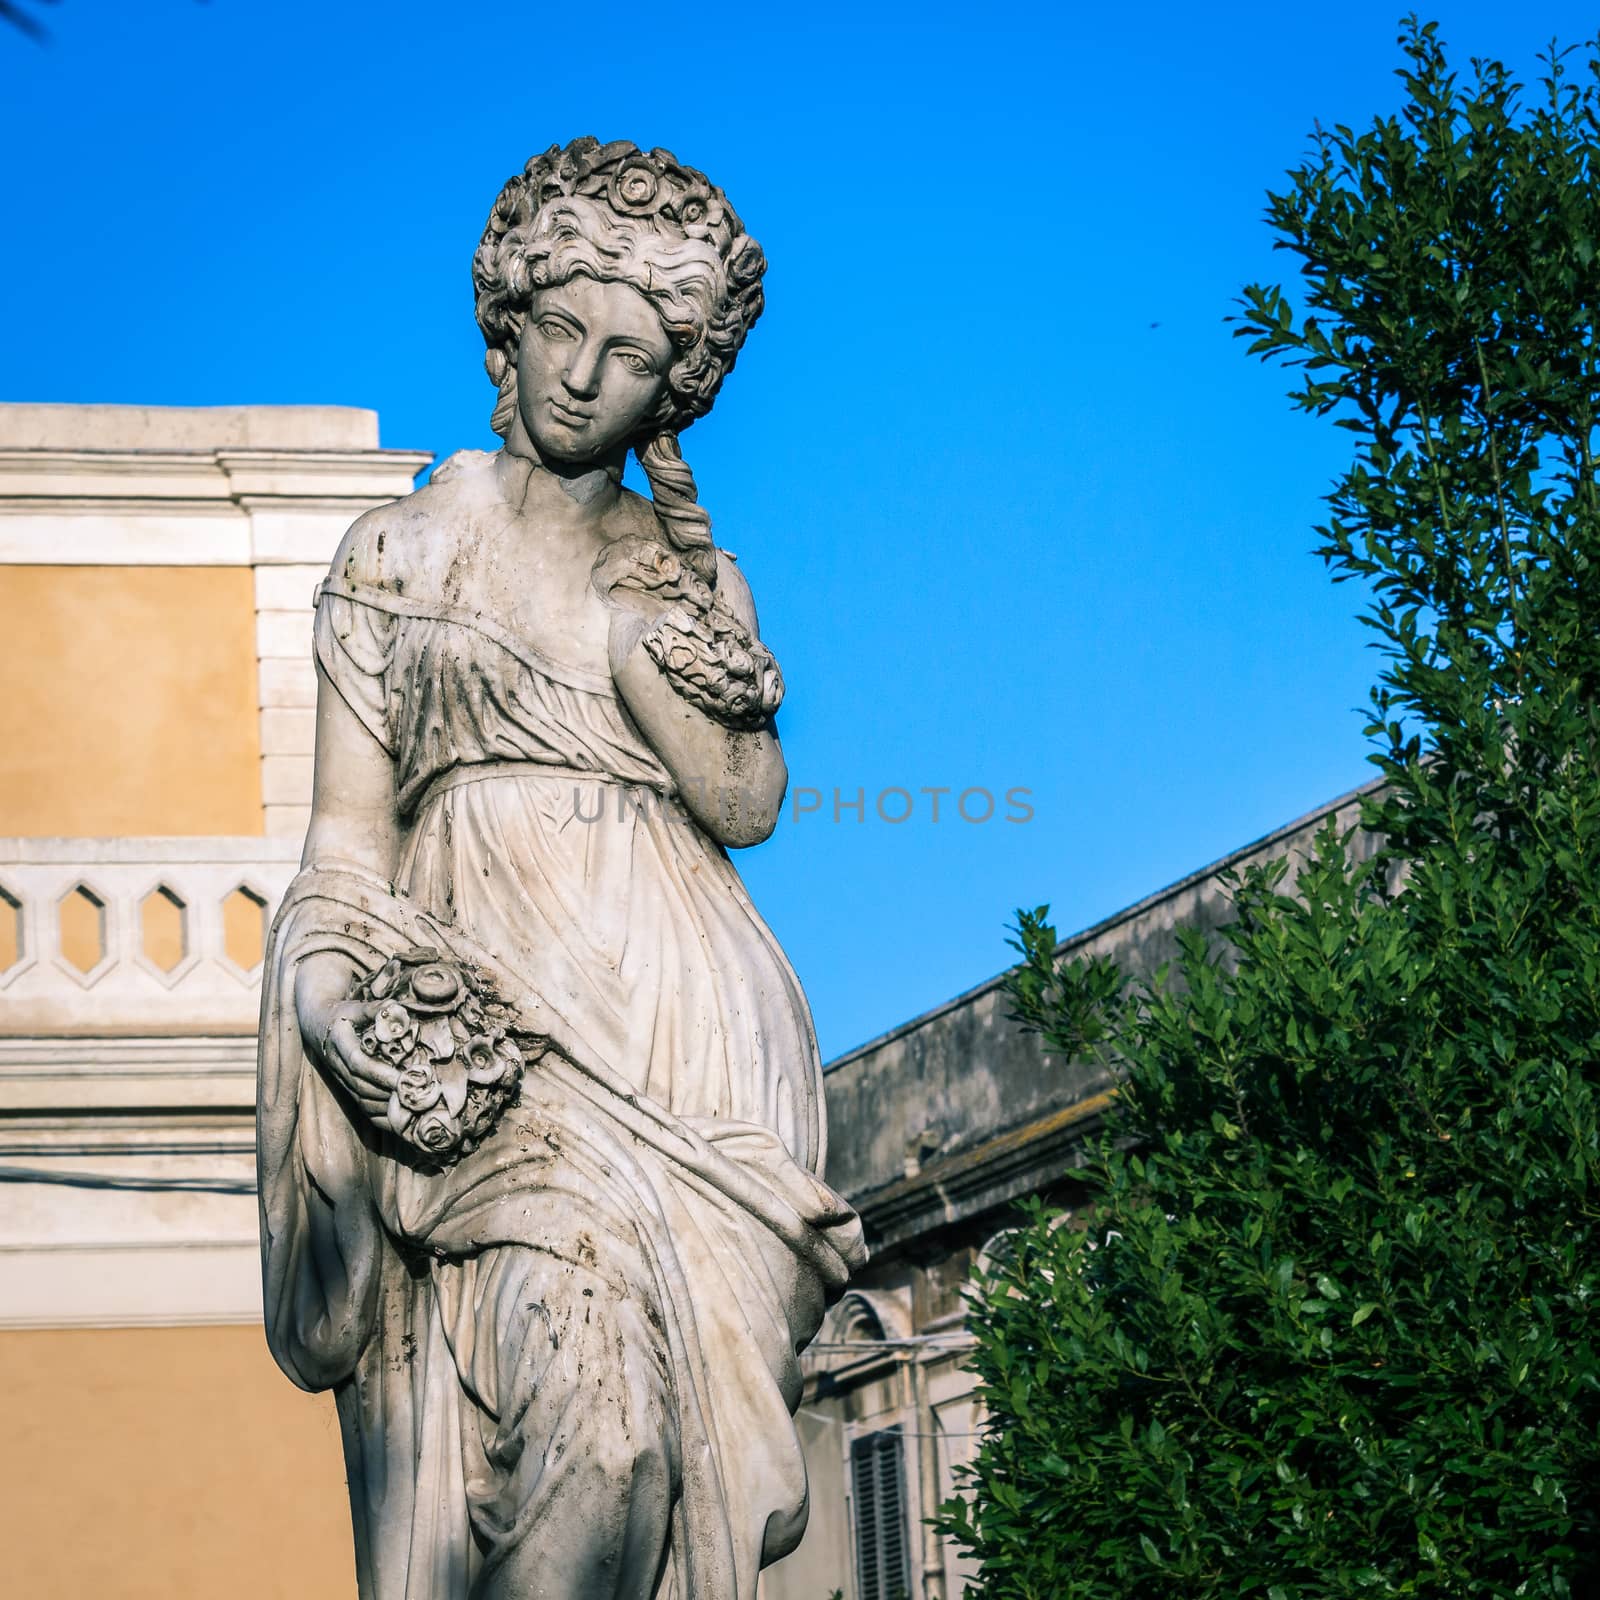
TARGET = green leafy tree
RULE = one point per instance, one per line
(1327, 1327)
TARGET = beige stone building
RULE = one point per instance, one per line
(156, 696)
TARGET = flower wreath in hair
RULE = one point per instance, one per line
(658, 195)
(619, 213)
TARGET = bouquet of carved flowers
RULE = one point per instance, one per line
(434, 1020)
(706, 654)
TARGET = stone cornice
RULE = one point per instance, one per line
(226, 506)
(34, 480)
(141, 460)
(971, 1182)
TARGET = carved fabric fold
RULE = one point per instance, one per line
(400, 1289)
(653, 1194)
(436, 686)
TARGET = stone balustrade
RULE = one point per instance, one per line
(136, 936)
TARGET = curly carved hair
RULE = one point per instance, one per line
(620, 214)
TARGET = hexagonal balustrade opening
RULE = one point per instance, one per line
(11, 947)
(244, 928)
(163, 929)
(82, 917)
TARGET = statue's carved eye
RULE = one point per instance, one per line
(554, 328)
(633, 361)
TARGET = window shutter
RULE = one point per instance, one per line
(877, 1479)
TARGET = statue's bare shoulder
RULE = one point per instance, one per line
(408, 545)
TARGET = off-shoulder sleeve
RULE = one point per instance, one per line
(355, 649)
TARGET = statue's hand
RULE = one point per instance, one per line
(368, 1079)
(331, 1024)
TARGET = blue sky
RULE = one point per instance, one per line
(1017, 510)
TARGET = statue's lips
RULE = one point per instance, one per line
(565, 414)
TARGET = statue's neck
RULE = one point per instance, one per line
(528, 480)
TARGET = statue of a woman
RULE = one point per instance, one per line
(540, 1116)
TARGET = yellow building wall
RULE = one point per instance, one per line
(148, 1463)
(128, 701)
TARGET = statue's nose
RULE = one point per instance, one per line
(582, 376)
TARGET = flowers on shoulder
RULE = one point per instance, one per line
(648, 567)
(440, 1024)
(708, 656)
(715, 662)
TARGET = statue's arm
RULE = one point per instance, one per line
(731, 780)
(353, 820)
(352, 793)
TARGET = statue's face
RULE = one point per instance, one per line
(591, 368)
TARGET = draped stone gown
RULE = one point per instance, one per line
(575, 1349)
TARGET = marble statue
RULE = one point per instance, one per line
(540, 1106)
